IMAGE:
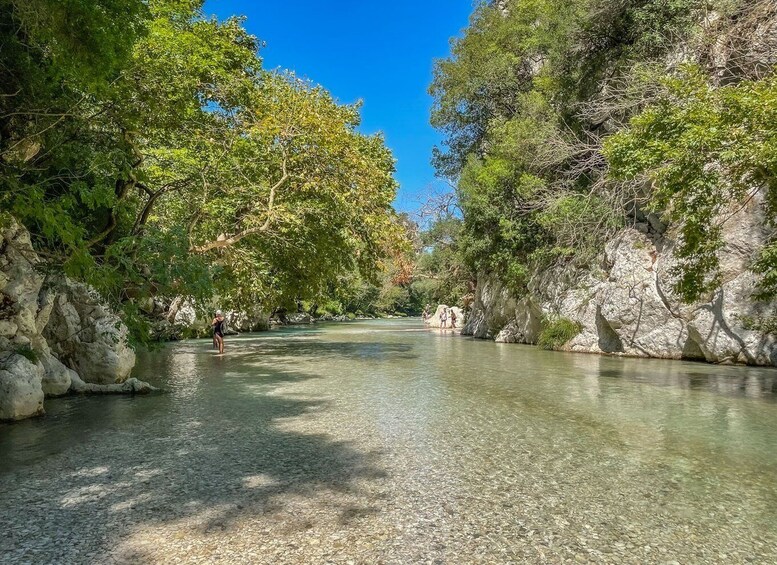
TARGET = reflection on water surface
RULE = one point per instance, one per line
(383, 442)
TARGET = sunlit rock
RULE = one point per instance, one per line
(628, 308)
(435, 321)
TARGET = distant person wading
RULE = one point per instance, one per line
(218, 331)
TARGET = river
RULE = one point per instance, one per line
(381, 442)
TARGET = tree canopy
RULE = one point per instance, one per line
(150, 154)
(564, 121)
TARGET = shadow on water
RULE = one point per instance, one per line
(206, 462)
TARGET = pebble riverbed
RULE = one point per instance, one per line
(379, 442)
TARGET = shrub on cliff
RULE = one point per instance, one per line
(556, 332)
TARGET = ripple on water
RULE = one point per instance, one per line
(377, 442)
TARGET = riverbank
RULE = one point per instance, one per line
(274, 454)
(627, 307)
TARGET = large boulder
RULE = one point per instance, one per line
(87, 336)
(248, 321)
(182, 312)
(497, 314)
(52, 329)
(21, 394)
(21, 374)
(435, 320)
(57, 379)
(20, 284)
(299, 318)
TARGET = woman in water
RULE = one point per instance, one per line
(218, 330)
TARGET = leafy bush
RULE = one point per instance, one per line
(28, 352)
(556, 332)
(333, 307)
(766, 325)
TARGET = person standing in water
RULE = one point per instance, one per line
(453, 318)
(218, 330)
(444, 318)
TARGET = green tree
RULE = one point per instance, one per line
(149, 154)
(706, 150)
(525, 100)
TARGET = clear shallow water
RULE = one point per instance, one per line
(381, 442)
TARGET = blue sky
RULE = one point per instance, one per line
(379, 52)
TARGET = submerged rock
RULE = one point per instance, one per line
(130, 386)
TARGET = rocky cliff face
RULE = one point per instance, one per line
(55, 335)
(627, 307)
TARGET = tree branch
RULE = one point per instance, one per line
(224, 241)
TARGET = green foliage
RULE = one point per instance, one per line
(491, 66)
(765, 324)
(766, 267)
(508, 101)
(706, 149)
(558, 50)
(532, 88)
(149, 154)
(556, 332)
(577, 223)
(441, 275)
(29, 353)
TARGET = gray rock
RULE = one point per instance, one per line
(656, 223)
(130, 386)
(630, 309)
(21, 395)
(8, 328)
(301, 318)
(87, 337)
(63, 325)
(57, 378)
(184, 312)
(251, 321)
